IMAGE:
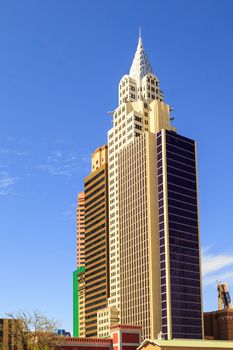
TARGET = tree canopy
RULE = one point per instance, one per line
(35, 331)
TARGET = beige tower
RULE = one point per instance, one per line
(139, 236)
(130, 120)
(140, 109)
(148, 161)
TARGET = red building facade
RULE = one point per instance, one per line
(123, 337)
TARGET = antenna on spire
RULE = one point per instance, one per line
(140, 32)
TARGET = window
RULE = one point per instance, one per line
(138, 127)
(137, 118)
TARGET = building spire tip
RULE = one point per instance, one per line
(140, 32)
(139, 36)
(140, 66)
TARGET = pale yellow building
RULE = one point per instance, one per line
(105, 319)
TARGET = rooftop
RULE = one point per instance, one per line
(183, 343)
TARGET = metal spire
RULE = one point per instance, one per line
(140, 32)
(141, 65)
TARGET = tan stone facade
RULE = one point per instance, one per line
(138, 228)
(106, 317)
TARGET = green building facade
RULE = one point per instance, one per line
(76, 301)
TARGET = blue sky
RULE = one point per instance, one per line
(60, 64)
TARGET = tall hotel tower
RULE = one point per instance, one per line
(96, 240)
(154, 244)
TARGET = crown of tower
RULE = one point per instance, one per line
(141, 65)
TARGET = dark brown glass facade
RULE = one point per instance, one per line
(176, 159)
(96, 247)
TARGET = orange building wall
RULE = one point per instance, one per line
(81, 230)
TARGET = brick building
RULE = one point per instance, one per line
(218, 325)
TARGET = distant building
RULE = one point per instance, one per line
(63, 333)
(8, 334)
(218, 325)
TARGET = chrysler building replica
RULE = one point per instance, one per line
(154, 240)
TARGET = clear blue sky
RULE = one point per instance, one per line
(60, 64)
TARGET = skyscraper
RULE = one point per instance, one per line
(96, 240)
(155, 276)
(78, 274)
(130, 120)
(181, 299)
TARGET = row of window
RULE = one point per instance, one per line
(93, 223)
(95, 290)
(96, 191)
(94, 177)
(96, 247)
(93, 237)
(100, 213)
(94, 200)
(89, 259)
(90, 210)
(94, 185)
(95, 243)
